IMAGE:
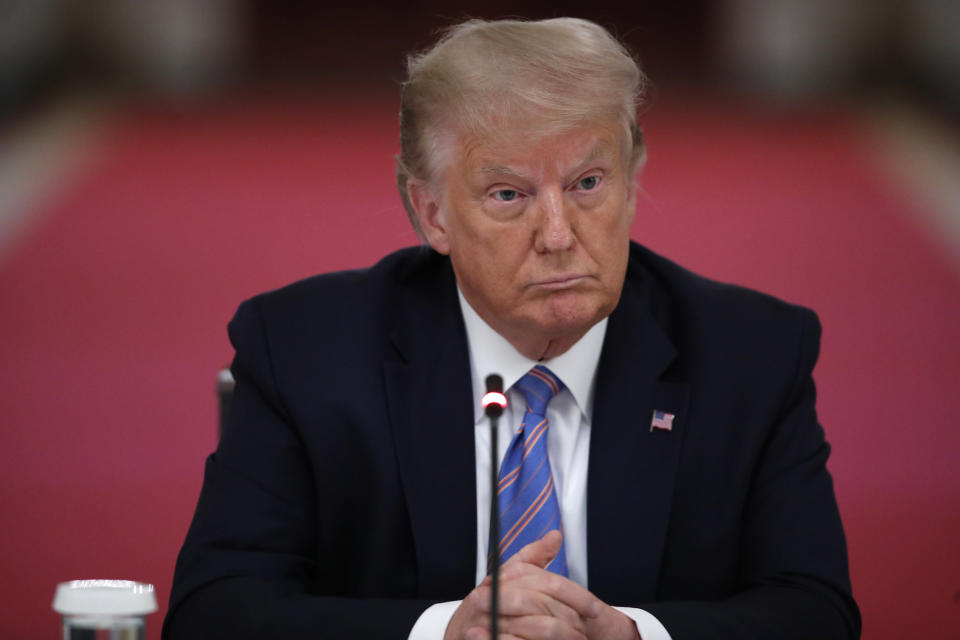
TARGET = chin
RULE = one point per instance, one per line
(572, 313)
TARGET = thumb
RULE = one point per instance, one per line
(540, 552)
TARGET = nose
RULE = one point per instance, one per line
(554, 232)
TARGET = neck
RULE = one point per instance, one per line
(541, 349)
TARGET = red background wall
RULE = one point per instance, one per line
(114, 301)
(114, 307)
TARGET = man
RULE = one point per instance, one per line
(663, 472)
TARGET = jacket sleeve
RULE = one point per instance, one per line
(792, 578)
(248, 566)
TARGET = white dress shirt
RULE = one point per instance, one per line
(568, 446)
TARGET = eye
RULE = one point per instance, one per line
(505, 195)
(589, 183)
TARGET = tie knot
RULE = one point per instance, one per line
(539, 385)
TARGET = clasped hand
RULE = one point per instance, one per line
(537, 604)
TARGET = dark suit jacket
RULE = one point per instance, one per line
(341, 502)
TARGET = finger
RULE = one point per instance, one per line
(524, 602)
(539, 552)
(535, 627)
(612, 624)
(529, 596)
(531, 579)
(483, 633)
(522, 576)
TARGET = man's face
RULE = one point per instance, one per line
(537, 229)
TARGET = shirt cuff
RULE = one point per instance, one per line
(432, 623)
(648, 626)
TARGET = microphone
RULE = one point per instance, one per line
(493, 403)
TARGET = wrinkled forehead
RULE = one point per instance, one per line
(532, 144)
(557, 153)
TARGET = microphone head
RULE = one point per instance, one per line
(493, 401)
(494, 383)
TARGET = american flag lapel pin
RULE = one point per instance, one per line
(662, 420)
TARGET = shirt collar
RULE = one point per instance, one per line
(492, 353)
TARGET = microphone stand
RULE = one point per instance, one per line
(493, 404)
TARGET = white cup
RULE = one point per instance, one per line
(104, 609)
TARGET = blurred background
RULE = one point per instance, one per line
(162, 161)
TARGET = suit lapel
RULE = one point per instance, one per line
(431, 413)
(632, 469)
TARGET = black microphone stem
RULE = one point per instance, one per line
(494, 533)
(494, 403)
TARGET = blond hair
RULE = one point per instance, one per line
(558, 73)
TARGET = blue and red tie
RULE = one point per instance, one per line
(528, 499)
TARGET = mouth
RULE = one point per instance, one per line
(561, 282)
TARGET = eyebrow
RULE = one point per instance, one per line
(597, 151)
(499, 170)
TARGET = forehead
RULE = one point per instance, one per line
(524, 149)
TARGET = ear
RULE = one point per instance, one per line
(630, 196)
(633, 181)
(427, 204)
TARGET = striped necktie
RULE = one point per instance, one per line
(528, 499)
